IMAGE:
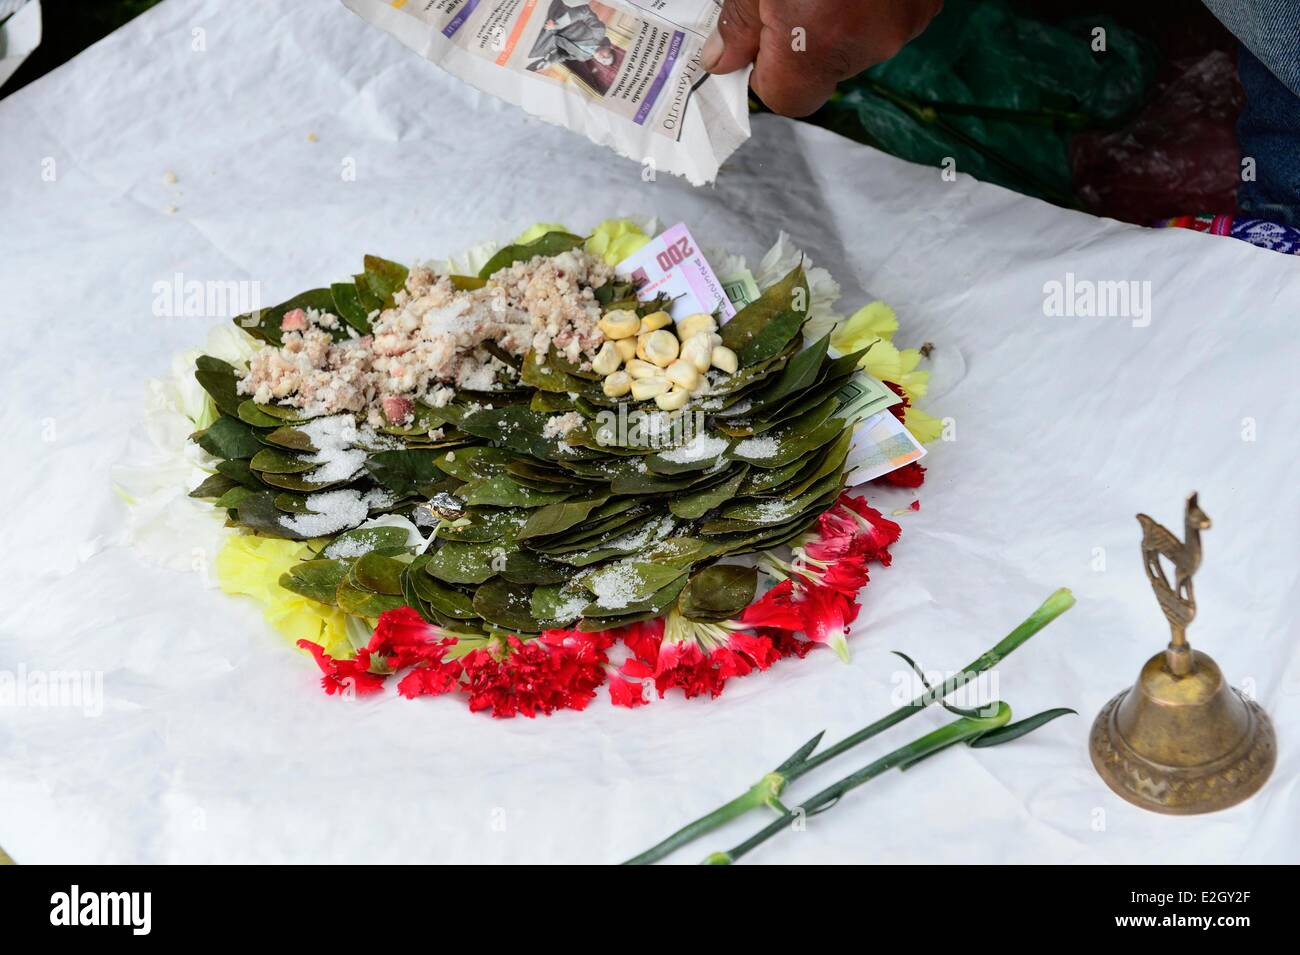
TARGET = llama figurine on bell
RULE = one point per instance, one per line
(1181, 740)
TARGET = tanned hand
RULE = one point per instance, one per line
(794, 72)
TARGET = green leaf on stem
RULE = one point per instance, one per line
(1006, 734)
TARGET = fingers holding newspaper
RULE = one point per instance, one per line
(663, 82)
(801, 48)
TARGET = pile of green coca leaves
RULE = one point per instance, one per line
(620, 519)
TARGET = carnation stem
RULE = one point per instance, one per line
(1051, 608)
(961, 730)
(803, 762)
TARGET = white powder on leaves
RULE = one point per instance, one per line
(328, 513)
(379, 498)
(559, 425)
(571, 607)
(700, 448)
(337, 431)
(334, 439)
(616, 586)
(757, 448)
(654, 530)
(356, 546)
(776, 510)
(336, 464)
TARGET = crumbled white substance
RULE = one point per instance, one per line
(432, 337)
(440, 397)
(328, 513)
(700, 448)
(758, 448)
(558, 426)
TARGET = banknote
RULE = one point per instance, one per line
(741, 288)
(863, 396)
(880, 444)
(673, 265)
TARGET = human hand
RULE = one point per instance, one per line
(801, 48)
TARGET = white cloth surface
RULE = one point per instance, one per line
(216, 745)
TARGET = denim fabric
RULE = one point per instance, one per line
(1268, 131)
(1268, 28)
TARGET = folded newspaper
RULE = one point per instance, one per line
(626, 73)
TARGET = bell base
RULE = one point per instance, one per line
(1184, 790)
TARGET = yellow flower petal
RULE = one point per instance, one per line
(881, 360)
(598, 245)
(251, 567)
(870, 322)
(615, 239)
(925, 428)
(915, 383)
(534, 232)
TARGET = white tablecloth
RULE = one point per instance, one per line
(215, 744)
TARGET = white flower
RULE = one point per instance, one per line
(161, 466)
(726, 264)
(231, 343)
(413, 536)
(779, 261)
(468, 262)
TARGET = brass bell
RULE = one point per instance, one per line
(1181, 740)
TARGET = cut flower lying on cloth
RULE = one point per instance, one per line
(426, 474)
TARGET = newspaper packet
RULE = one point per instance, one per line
(626, 73)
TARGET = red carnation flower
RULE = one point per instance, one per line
(342, 676)
(899, 410)
(627, 684)
(699, 658)
(850, 528)
(819, 612)
(560, 670)
(909, 476)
